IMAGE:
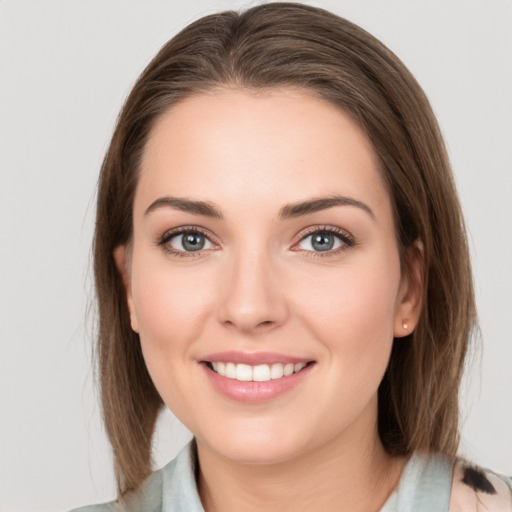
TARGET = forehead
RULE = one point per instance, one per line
(272, 144)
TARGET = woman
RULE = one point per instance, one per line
(281, 260)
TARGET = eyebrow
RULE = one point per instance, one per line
(322, 203)
(289, 211)
(186, 205)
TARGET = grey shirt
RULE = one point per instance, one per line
(425, 486)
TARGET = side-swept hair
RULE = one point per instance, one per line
(306, 48)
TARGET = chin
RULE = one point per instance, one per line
(256, 445)
(258, 453)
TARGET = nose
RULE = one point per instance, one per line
(253, 294)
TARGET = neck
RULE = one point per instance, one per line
(335, 477)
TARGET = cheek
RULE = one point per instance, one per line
(352, 311)
(171, 306)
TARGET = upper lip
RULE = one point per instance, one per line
(253, 358)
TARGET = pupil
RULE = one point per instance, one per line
(193, 241)
(322, 242)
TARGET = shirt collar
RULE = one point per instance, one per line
(179, 488)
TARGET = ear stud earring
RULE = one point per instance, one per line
(405, 325)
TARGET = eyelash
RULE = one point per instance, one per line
(168, 235)
(346, 239)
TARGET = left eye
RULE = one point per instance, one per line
(321, 241)
(189, 241)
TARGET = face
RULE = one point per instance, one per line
(264, 276)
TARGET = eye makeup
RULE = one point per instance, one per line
(192, 237)
(326, 241)
(329, 240)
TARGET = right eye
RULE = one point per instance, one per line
(186, 241)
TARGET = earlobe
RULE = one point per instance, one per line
(410, 298)
(122, 259)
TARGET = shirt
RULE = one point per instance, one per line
(429, 483)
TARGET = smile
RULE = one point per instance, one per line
(257, 373)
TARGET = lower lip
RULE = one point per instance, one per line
(255, 392)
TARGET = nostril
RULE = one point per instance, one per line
(260, 325)
(266, 325)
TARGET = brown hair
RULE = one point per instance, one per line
(292, 45)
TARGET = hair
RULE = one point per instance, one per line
(286, 45)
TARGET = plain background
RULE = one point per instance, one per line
(65, 68)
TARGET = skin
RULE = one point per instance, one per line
(260, 285)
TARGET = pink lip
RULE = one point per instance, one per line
(254, 358)
(255, 392)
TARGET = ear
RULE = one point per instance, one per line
(123, 262)
(410, 295)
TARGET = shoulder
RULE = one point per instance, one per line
(437, 482)
(148, 498)
(170, 488)
(105, 507)
(478, 489)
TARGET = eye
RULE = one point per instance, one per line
(186, 241)
(325, 240)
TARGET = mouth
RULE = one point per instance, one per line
(257, 377)
(255, 373)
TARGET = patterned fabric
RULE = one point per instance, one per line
(477, 489)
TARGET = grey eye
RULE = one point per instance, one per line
(321, 241)
(189, 242)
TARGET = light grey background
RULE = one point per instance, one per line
(65, 68)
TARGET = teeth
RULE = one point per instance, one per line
(243, 372)
(276, 371)
(299, 366)
(288, 369)
(230, 370)
(259, 373)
